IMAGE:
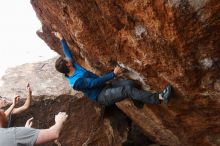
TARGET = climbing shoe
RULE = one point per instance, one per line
(166, 94)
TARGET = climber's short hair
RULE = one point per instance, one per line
(3, 120)
(61, 66)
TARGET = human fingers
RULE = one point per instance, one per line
(15, 99)
(29, 122)
(61, 116)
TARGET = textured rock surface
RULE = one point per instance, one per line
(159, 42)
(42, 76)
(83, 126)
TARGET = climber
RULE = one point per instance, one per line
(96, 88)
(28, 136)
(12, 110)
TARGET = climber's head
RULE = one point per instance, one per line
(3, 119)
(63, 65)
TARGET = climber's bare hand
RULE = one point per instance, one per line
(58, 35)
(118, 70)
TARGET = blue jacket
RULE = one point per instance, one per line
(83, 80)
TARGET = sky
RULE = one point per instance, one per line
(19, 41)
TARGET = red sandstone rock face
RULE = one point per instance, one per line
(160, 42)
(84, 125)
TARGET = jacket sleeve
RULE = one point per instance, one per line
(66, 50)
(88, 83)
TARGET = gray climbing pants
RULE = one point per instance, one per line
(122, 89)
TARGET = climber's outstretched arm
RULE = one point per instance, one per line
(89, 83)
(65, 47)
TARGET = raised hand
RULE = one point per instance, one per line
(15, 100)
(29, 122)
(29, 88)
(58, 35)
(61, 117)
(118, 70)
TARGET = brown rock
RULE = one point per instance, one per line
(175, 42)
(217, 85)
(84, 125)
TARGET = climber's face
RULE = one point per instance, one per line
(69, 65)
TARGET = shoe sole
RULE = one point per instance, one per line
(168, 96)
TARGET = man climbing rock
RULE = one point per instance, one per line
(96, 88)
